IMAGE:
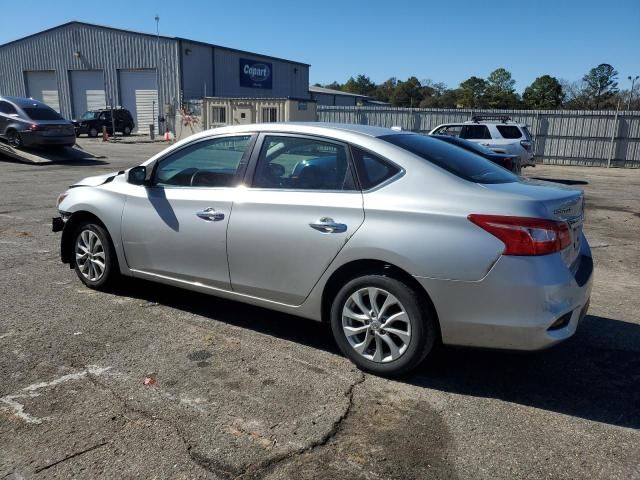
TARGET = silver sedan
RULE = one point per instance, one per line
(398, 240)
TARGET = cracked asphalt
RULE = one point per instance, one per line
(238, 392)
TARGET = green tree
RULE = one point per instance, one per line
(600, 85)
(333, 85)
(473, 93)
(361, 85)
(544, 93)
(500, 90)
(407, 94)
(384, 91)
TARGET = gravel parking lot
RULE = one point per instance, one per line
(242, 392)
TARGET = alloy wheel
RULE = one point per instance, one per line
(90, 256)
(376, 324)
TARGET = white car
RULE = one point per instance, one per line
(501, 136)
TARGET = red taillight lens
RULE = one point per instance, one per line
(526, 144)
(525, 236)
(35, 127)
(507, 163)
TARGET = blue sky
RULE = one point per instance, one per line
(445, 41)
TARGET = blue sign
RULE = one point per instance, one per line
(255, 74)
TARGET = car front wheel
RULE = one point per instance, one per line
(382, 325)
(127, 131)
(95, 261)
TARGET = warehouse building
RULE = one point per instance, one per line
(78, 66)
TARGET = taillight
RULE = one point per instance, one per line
(526, 144)
(525, 236)
(35, 127)
(507, 163)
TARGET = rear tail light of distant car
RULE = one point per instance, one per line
(35, 128)
(526, 144)
(524, 235)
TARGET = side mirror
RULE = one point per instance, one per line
(137, 175)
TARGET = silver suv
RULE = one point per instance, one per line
(497, 133)
(397, 240)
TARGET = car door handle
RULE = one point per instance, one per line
(210, 215)
(327, 225)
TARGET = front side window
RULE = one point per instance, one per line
(302, 164)
(451, 130)
(509, 131)
(89, 116)
(461, 163)
(475, 132)
(210, 163)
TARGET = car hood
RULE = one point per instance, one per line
(97, 180)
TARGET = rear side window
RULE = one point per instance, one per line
(475, 132)
(453, 159)
(41, 113)
(7, 108)
(509, 131)
(372, 170)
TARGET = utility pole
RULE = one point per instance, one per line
(157, 19)
(633, 81)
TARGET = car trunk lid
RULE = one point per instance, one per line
(560, 203)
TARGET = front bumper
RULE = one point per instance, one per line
(523, 303)
(57, 224)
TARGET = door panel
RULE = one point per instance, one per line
(163, 234)
(301, 209)
(273, 250)
(178, 227)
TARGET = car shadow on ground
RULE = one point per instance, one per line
(595, 375)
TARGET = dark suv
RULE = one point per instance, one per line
(92, 122)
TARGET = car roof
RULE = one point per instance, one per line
(317, 128)
(471, 122)
(23, 102)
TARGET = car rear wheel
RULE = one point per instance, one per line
(382, 325)
(93, 132)
(95, 260)
(127, 131)
(14, 139)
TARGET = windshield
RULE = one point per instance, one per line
(458, 161)
(89, 116)
(41, 113)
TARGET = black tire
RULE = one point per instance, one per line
(111, 270)
(14, 139)
(93, 132)
(424, 328)
(126, 131)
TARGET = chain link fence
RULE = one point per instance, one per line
(562, 137)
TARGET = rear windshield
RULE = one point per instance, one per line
(41, 113)
(456, 160)
(472, 146)
(509, 131)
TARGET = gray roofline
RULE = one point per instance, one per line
(330, 91)
(95, 25)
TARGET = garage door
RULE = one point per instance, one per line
(139, 95)
(43, 86)
(87, 91)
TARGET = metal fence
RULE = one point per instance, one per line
(562, 137)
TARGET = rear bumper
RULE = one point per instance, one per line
(523, 303)
(34, 139)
